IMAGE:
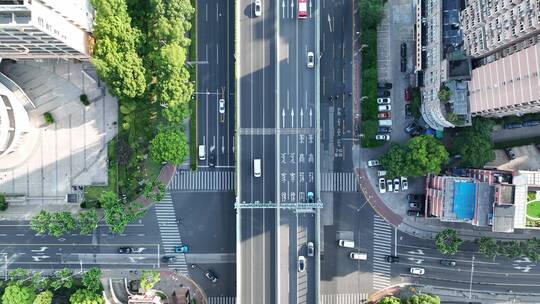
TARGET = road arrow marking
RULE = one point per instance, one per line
(524, 260)
(292, 118)
(417, 251)
(301, 118)
(283, 117)
(523, 268)
(415, 260)
(135, 259)
(38, 258)
(329, 23)
(41, 249)
(292, 8)
(309, 9)
(222, 144)
(139, 250)
(283, 9)
(310, 118)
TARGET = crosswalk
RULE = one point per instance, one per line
(382, 246)
(221, 300)
(338, 182)
(185, 180)
(170, 235)
(344, 298)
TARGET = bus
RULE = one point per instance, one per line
(302, 9)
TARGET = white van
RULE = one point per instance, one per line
(385, 122)
(257, 170)
(358, 256)
(346, 243)
(202, 152)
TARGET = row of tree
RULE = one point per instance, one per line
(59, 223)
(415, 299)
(26, 288)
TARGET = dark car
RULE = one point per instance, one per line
(413, 213)
(448, 263)
(416, 197)
(408, 94)
(403, 50)
(384, 85)
(512, 125)
(531, 123)
(384, 130)
(403, 65)
(212, 159)
(125, 250)
(408, 111)
(310, 197)
(415, 205)
(392, 259)
(211, 276)
(511, 155)
(168, 259)
(383, 93)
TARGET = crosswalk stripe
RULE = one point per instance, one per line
(338, 182)
(202, 181)
(344, 298)
(221, 300)
(382, 246)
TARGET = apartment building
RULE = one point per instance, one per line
(491, 25)
(46, 29)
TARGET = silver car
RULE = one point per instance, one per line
(310, 60)
(257, 8)
(310, 249)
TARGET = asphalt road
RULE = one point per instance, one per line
(256, 257)
(215, 80)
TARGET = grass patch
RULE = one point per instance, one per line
(92, 193)
(533, 209)
(531, 196)
(517, 142)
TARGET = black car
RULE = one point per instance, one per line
(211, 276)
(403, 50)
(392, 259)
(413, 213)
(384, 130)
(448, 263)
(511, 155)
(384, 85)
(383, 93)
(512, 125)
(415, 205)
(168, 259)
(416, 197)
(212, 160)
(531, 123)
(403, 65)
(408, 111)
(125, 250)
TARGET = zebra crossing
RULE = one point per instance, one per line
(344, 298)
(338, 182)
(185, 180)
(170, 235)
(221, 300)
(382, 246)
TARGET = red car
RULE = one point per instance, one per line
(383, 115)
(302, 9)
(408, 94)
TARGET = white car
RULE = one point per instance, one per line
(396, 184)
(417, 270)
(385, 108)
(257, 8)
(382, 185)
(382, 137)
(389, 185)
(381, 173)
(384, 100)
(301, 263)
(373, 163)
(404, 183)
(222, 106)
(310, 60)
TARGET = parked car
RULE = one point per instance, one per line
(384, 85)
(389, 185)
(358, 256)
(404, 183)
(403, 65)
(396, 184)
(449, 263)
(381, 173)
(413, 213)
(417, 271)
(511, 155)
(310, 249)
(531, 123)
(403, 50)
(408, 111)
(211, 276)
(415, 205)
(383, 93)
(127, 250)
(392, 259)
(382, 137)
(384, 130)
(383, 101)
(408, 94)
(346, 243)
(513, 125)
(373, 163)
(384, 115)
(416, 197)
(383, 108)
(382, 185)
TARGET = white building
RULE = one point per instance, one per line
(46, 29)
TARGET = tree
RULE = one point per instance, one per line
(18, 275)
(85, 296)
(447, 241)
(175, 114)
(44, 297)
(444, 93)
(3, 203)
(61, 222)
(169, 145)
(390, 300)
(488, 247)
(149, 278)
(393, 161)
(425, 154)
(114, 55)
(423, 299)
(154, 190)
(39, 283)
(62, 278)
(40, 222)
(173, 86)
(475, 149)
(371, 12)
(91, 279)
(87, 221)
(16, 294)
(117, 214)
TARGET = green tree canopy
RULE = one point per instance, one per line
(149, 278)
(169, 145)
(40, 222)
(85, 296)
(44, 297)
(16, 294)
(61, 222)
(475, 150)
(62, 278)
(393, 161)
(390, 300)
(176, 114)
(425, 154)
(423, 299)
(91, 279)
(444, 93)
(87, 221)
(447, 241)
(173, 85)
(154, 190)
(117, 214)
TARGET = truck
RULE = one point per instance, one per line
(385, 122)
